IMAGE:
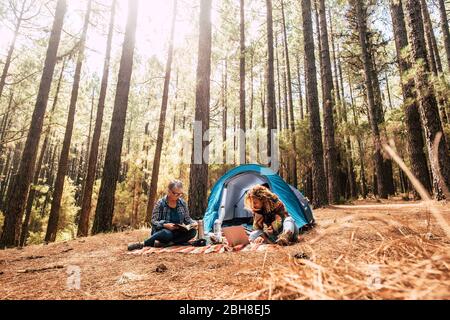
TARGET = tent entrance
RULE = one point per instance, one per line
(231, 209)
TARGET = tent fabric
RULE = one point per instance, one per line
(238, 180)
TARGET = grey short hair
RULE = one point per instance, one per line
(175, 184)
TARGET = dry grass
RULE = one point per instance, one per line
(392, 250)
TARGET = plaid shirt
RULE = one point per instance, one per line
(161, 213)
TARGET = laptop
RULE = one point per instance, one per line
(236, 235)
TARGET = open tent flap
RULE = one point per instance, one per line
(232, 202)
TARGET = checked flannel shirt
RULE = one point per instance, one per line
(161, 213)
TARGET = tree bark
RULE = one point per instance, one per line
(318, 173)
(270, 105)
(445, 30)
(328, 109)
(52, 227)
(413, 124)
(242, 142)
(105, 204)
(440, 161)
(198, 176)
(18, 191)
(373, 114)
(293, 155)
(83, 224)
(37, 173)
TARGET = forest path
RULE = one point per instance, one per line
(107, 272)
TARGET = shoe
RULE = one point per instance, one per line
(159, 244)
(135, 246)
(284, 239)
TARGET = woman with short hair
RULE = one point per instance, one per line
(168, 212)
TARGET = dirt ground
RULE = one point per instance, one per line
(389, 250)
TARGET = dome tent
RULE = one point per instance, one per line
(227, 196)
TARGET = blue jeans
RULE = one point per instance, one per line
(288, 225)
(166, 236)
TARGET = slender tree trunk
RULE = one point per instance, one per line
(328, 109)
(373, 114)
(414, 136)
(83, 224)
(225, 111)
(198, 176)
(252, 93)
(363, 180)
(445, 30)
(52, 227)
(318, 173)
(440, 161)
(11, 49)
(271, 109)
(37, 173)
(105, 204)
(300, 94)
(293, 155)
(162, 122)
(433, 48)
(18, 191)
(242, 142)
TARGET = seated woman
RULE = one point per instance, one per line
(169, 211)
(271, 222)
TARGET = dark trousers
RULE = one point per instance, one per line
(166, 236)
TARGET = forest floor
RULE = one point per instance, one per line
(368, 250)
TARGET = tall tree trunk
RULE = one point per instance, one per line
(328, 109)
(312, 96)
(11, 49)
(37, 173)
(18, 191)
(440, 161)
(414, 136)
(361, 16)
(363, 180)
(445, 30)
(83, 224)
(225, 110)
(52, 227)
(293, 155)
(433, 51)
(270, 105)
(162, 122)
(105, 205)
(300, 94)
(198, 176)
(242, 142)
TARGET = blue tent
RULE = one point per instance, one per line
(227, 196)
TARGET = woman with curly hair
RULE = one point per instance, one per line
(271, 222)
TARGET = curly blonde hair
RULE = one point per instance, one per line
(262, 193)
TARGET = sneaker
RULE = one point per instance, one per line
(284, 239)
(159, 244)
(135, 246)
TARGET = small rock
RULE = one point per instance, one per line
(430, 236)
(301, 255)
(161, 268)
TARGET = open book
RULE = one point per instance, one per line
(185, 227)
